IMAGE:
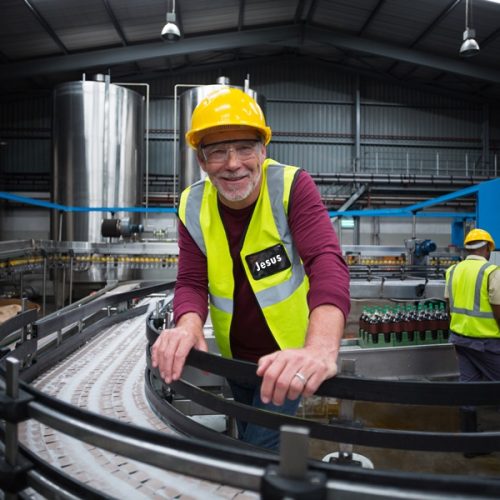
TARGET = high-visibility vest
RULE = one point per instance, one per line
(471, 312)
(270, 259)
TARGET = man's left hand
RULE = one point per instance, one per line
(290, 373)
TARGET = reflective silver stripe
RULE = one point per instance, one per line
(277, 293)
(475, 312)
(450, 287)
(479, 285)
(275, 188)
(193, 210)
(470, 312)
(225, 305)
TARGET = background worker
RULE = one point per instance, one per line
(473, 296)
(255, 238)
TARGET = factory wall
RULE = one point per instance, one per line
(393, 231)
(312, 114)
(314, 111)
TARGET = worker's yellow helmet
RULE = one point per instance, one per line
(226, 108)
(476, 238)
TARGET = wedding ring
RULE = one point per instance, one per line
(301, 377)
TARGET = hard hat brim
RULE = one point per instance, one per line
(476, 245)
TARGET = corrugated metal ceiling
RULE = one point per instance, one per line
(43, 42)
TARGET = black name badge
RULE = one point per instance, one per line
(267, 262)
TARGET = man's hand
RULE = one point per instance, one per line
(292, 372)
(170, 350)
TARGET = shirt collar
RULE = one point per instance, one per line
(475, 257)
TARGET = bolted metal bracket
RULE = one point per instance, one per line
(13, 478)
(291, 479)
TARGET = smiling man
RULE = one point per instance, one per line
(256, 240)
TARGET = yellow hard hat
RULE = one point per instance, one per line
(225, 109)
(476, 236)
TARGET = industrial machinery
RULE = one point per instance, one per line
(37, 261)
(98, 143)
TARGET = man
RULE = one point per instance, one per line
(256, 239)
(473, 296)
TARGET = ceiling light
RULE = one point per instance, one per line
(171, 32)
(469, 46)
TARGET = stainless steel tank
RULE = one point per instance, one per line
(189, 170)
(98, 144)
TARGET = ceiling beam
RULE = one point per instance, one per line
(413, 56)
(115, 22)
(122, 55)
(283, 36)
(448, 10)
(371, 16)
(46, 26)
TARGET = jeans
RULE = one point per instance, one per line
(256, 434)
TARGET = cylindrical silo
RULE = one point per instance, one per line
(189, 170)
(98, 143)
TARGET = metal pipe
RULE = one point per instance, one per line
(24, 307)
(63, 298)
(357, 124)
(447, 180)
(71, 278)
(12, 391)
(485, 138)
(352, 199)
(44, 284)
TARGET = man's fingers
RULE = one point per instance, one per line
(171, 349)
(179, 357)
(265, 362)
(290, 373)
(270, 373)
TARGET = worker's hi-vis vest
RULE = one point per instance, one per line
(471, 312)
(271, 261)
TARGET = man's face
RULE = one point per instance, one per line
(233, 161)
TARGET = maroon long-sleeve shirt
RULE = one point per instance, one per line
(318, 247)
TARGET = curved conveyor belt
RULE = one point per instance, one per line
(109, 432)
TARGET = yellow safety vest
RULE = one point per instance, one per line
(270, 259)
(471, 312)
